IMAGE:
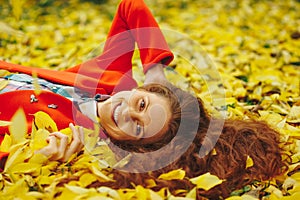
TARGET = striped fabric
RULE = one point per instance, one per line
(25, 82)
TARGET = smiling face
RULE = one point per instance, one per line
(135, 115)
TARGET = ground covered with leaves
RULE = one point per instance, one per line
(251, 47)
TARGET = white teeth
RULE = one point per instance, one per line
(116, 113)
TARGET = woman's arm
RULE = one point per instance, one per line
(155, 74)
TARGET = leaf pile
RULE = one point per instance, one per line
(254, 45)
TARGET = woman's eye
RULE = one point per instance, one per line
(142, 105)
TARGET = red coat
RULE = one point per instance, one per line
(60, 109)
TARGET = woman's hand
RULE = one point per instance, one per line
(58, 147)
(155, 74)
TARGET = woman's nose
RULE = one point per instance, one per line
(130, 113)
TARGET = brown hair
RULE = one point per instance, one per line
(225, 152)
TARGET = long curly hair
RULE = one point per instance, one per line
(208, 148)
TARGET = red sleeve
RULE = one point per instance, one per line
(133, 23)
(146, 32)
(100, 81)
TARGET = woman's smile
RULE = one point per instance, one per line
(116, 113)
(134, 115)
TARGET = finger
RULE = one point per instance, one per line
(69, 152)
(81, 134)
(62, 145)
(76, 144)
(72, 127)
(81, 137)
(59, 135)
(78, 136)
(51, 149)
(52, 142)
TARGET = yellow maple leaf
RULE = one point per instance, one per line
(142, 193)
(18, 127)
(192, 194)
(3, 84)
(38, 139)
(96, 171)
(22, 168)
(17, 7)
(73, 192)
(109, 192)
(275, 191)
(174, 174)
(243, 197)
(67, 131)
(36, 85)
(4, 123)
(294, 115)
(18, 154)
(206, 181)
(91, 138)
(249, 162)
(3, 72)
(86, 179)
(38, 158)
(18, 189)
(43, 121)
(150, 183)
(6, 143)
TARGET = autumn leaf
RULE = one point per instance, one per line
(67, 131)
(249, 162)
(94, 168)
(17, 7)
(6, 143)
(86, 179)
(36, 85)
(38, 139)
(18, 127)
(206, 181)
(24, 168)
(18, 154)
(294, 115)
(5, 123)
(243, 197)
(3, 84)
(175, 174)
(43, 120)
(110, 192)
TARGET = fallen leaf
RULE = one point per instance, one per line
(18, 127)
(206, 181)
(249, 162)
(175, 174)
